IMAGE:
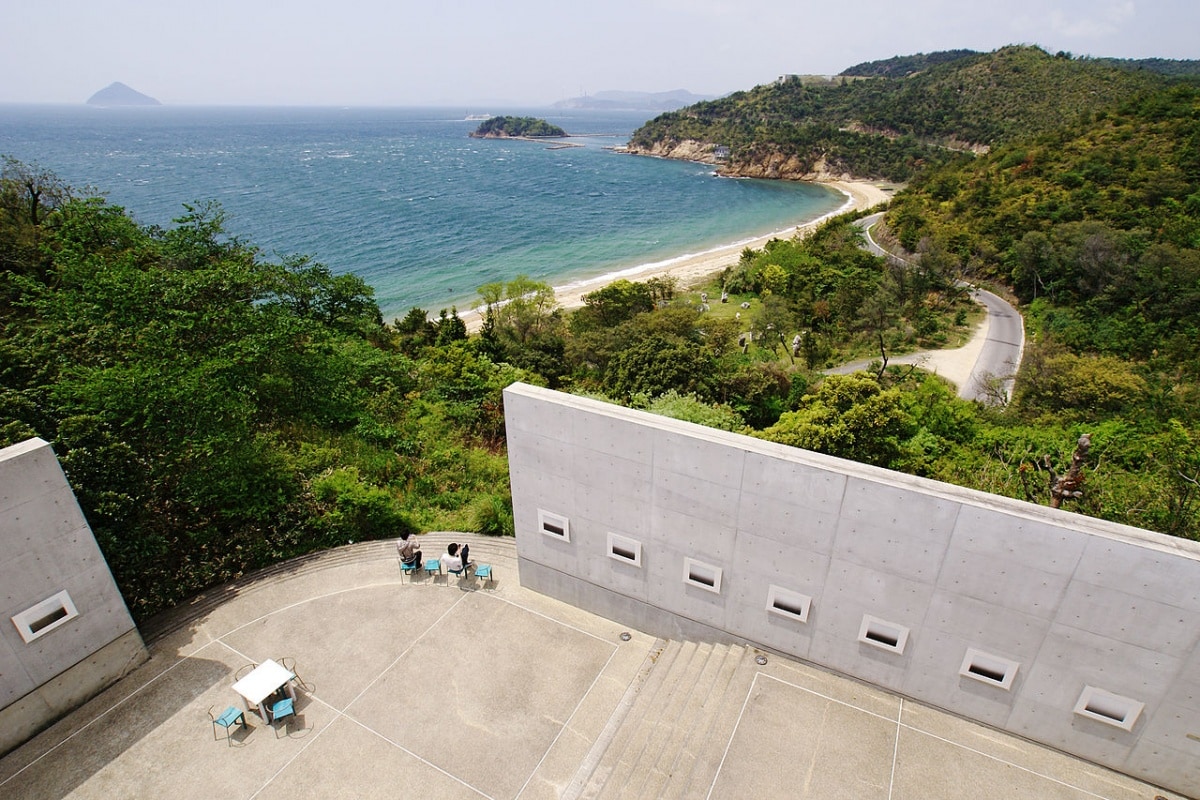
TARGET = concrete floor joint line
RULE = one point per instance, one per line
(733, 734)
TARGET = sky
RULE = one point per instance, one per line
(483, 55)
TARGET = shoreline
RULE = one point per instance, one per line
(691, 268)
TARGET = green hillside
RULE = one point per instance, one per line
(892, 127)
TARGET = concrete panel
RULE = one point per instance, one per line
(604, 472)
(613, 510)
(987, 626)
(612, 433)
(811, 488)
(770, 561)
(28, 470)
(688, 533)
(49, 568)
(714, 503)
(1129, 618)
(894, 529)
(48, 516)
(547, 455)
(686, 453)
(996, 534)
(17, 683)
(1169, 576)
(1015, 585)
(770, 518)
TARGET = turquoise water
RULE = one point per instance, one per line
(404, 197)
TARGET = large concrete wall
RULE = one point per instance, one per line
(1055, 602)
(47, 548)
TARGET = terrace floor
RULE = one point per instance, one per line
(445, 689)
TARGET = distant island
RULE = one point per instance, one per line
(517, 128)
(118, 94)
(634, 101)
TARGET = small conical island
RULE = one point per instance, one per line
(118, 94)
(517, 128)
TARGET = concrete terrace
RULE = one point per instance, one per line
(446, 689)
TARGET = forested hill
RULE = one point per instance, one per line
(1102, 218)
(891, 127)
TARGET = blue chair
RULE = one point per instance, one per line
(484, 572)
(410, 569)
(433, 565)
(229, 717)
(281, 710)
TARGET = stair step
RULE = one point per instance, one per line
(708, 750)
(657, 704)
(669, 718)
(666, 655)
(706, 695)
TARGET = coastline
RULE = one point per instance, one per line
(690, 269)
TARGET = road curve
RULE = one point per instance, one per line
(997, 356)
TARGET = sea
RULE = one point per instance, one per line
(404, 198)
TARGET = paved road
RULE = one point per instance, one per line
(1004, 335)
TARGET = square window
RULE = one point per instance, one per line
(1111, 709)
(51, 613)
(989, 669)
(554, 525)
(624, 550)
(883, 634)
(706, 576)
(787, 603)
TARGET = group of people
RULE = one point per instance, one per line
(455, 559)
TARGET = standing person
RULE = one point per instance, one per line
(455, 560)
(409, 552)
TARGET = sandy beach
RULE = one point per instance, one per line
(690, 270)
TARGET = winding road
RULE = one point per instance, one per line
(994, 351)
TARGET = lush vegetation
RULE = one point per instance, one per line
(216, 412)
(903, 66)
(894, 128)
(526, 127)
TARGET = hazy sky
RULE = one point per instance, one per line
(484, 54)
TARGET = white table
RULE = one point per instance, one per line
(266, 678)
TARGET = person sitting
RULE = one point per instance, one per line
(410, 554)
(455, 560)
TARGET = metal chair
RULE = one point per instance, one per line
(289, 664)
(229, 717)
(243, 671)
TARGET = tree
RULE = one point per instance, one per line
(38, 191)
(657, 364)
(848, 416)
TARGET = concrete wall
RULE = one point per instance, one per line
(46, 547)
(1071, 601)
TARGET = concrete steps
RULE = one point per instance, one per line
(684, 713)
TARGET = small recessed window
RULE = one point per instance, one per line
(989, 669)
(882, 634)
(51, 613)
(1111, 709)
(787, 603)
(554, 525)
(625, 550)
(706, 576)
